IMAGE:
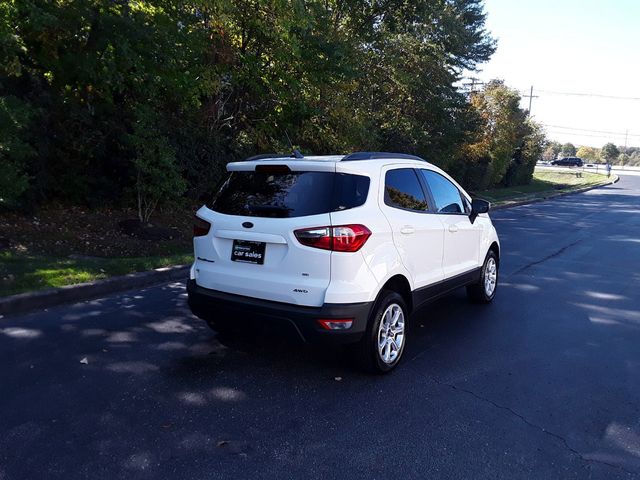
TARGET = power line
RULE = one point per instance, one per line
(622, 134)
(578, 134)
(525, 94)
(617, 141)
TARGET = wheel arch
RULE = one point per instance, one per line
(495, 248)
(399, 284)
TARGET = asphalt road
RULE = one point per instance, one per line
(544, 383)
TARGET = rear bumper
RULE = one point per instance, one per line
(215, 306)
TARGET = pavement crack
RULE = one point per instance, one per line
(548, 257)
(531, 424)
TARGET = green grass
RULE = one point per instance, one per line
(544, 183)
(23, 273)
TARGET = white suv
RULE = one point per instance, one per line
(341, 248)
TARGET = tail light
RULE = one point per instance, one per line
(343, 238)
(200, 227)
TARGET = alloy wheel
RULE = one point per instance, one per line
(391, 333)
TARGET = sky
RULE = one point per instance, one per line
(571, 46)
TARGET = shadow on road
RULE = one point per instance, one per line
(543, 383)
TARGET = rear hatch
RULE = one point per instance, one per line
(251, 249)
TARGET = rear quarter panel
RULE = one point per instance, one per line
(359, 276)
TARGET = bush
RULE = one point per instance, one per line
(14, 151)
(156, 174)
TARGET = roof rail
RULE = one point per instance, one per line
(379, 155)
(263, 156)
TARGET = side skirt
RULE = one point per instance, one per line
(431, 292)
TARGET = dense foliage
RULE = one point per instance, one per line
(105, 101)
(503, 148)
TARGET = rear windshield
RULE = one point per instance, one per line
(293, 194)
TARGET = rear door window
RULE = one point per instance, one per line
(292, 194)
(445, 194)
(402, 189)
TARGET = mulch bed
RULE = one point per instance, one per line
(64, 231)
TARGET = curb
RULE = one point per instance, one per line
(51, 297)
(553, 195)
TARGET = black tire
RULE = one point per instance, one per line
(368, 354)
(477, 292)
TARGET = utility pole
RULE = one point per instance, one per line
(472, 85)
(531, 96)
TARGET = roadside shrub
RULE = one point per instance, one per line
(14, 151)
(156, 174)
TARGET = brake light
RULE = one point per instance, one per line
(200, 227)
(342, 238)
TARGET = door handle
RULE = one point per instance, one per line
(453, 228)
(407, 230)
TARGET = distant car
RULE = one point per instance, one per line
(568, 162)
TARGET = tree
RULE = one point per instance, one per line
(623, 159)
(556, 146)
(523, 162)
(134, 101)
(154, 166)
(500, 146)
(634, 159)
(14, 152)
(549, 154)
(589, 154)
(83, 90)
(568, 150)
(609, 152)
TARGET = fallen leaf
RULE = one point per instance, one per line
(84, 361)
(222, 443)
(338, 379)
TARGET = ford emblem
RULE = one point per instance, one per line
(247, 225)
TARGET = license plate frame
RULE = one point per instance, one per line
(248, 251)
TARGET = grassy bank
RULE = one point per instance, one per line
(545, 183)
(22, 273)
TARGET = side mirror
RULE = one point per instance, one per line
(478, 206)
